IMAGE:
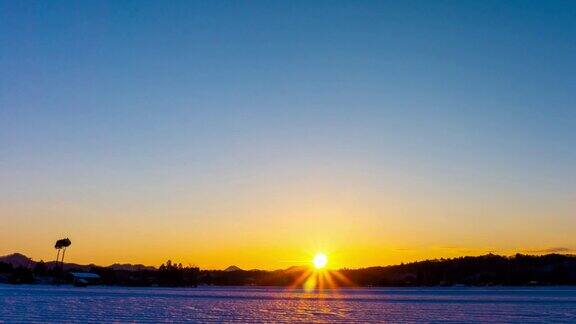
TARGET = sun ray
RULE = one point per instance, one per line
(317, 277)
(301, 279)
(342, 279)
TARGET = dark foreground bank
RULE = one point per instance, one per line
(487, 270)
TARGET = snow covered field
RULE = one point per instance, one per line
(110, 304)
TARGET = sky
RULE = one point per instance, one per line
(258, 133)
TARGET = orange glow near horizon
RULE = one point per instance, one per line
(318, 278)
(256, 229)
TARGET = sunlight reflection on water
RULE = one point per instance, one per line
(238, 304)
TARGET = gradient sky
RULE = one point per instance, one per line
(256, 133)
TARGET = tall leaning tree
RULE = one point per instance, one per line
(62, 245)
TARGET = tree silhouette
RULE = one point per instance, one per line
(61, 244)
(176, 275)
(40, 268)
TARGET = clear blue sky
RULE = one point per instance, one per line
(196, 111)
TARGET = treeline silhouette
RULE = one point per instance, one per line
(487, 270)
(168, 274)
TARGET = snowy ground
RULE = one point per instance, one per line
(104, 304)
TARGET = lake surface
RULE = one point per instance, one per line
(239, 304)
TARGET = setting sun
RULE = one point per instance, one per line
(320, 260)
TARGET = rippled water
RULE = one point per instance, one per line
(103, 304)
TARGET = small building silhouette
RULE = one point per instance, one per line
(83, 279)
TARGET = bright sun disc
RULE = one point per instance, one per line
(320, 260)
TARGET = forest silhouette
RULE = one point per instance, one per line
(486, 270)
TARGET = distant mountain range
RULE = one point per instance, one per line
(20, 260)
(485, 270)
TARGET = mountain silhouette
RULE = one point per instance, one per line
(20, 260)
(232, 268)
(130, 267)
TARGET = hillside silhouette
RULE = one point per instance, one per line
(486, 270)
